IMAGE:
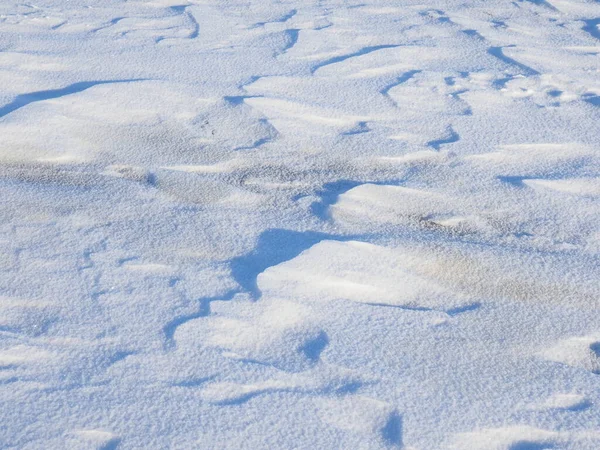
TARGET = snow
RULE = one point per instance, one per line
(300, 224)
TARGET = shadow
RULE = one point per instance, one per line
(274, 246)
(182, 10)
(116, 20)
(451, 138)
(528, 445)
(583, 405)
(272, 134)
(196, 27)
(392, 431)
(497, 52)
(591, 27)
(515, 181)
(500, 83)
(595, 349)
(361, 52)
(109, 24)
(474, 34)
(258, 143)
(400, 80)
(237, 100)
(403, 307)
(349, 387)
(361, 128)
(329, 195)
(456, 96)
(195, 382)
(120, 356)
(203, 310)
(593, 100)
(243, 398)
(287, 16)
(281, 19)
(23, 100)
(178, 9)
(292, 39)
(313, 348)
(113, 444)
(463, 309)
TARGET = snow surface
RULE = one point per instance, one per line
(277, 224)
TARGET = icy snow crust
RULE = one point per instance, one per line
(300, 224)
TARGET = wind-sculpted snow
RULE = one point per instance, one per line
(300, 224)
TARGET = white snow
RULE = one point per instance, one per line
(353, 224)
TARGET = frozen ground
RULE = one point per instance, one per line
(300, 224)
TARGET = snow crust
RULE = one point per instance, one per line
(280, 224)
